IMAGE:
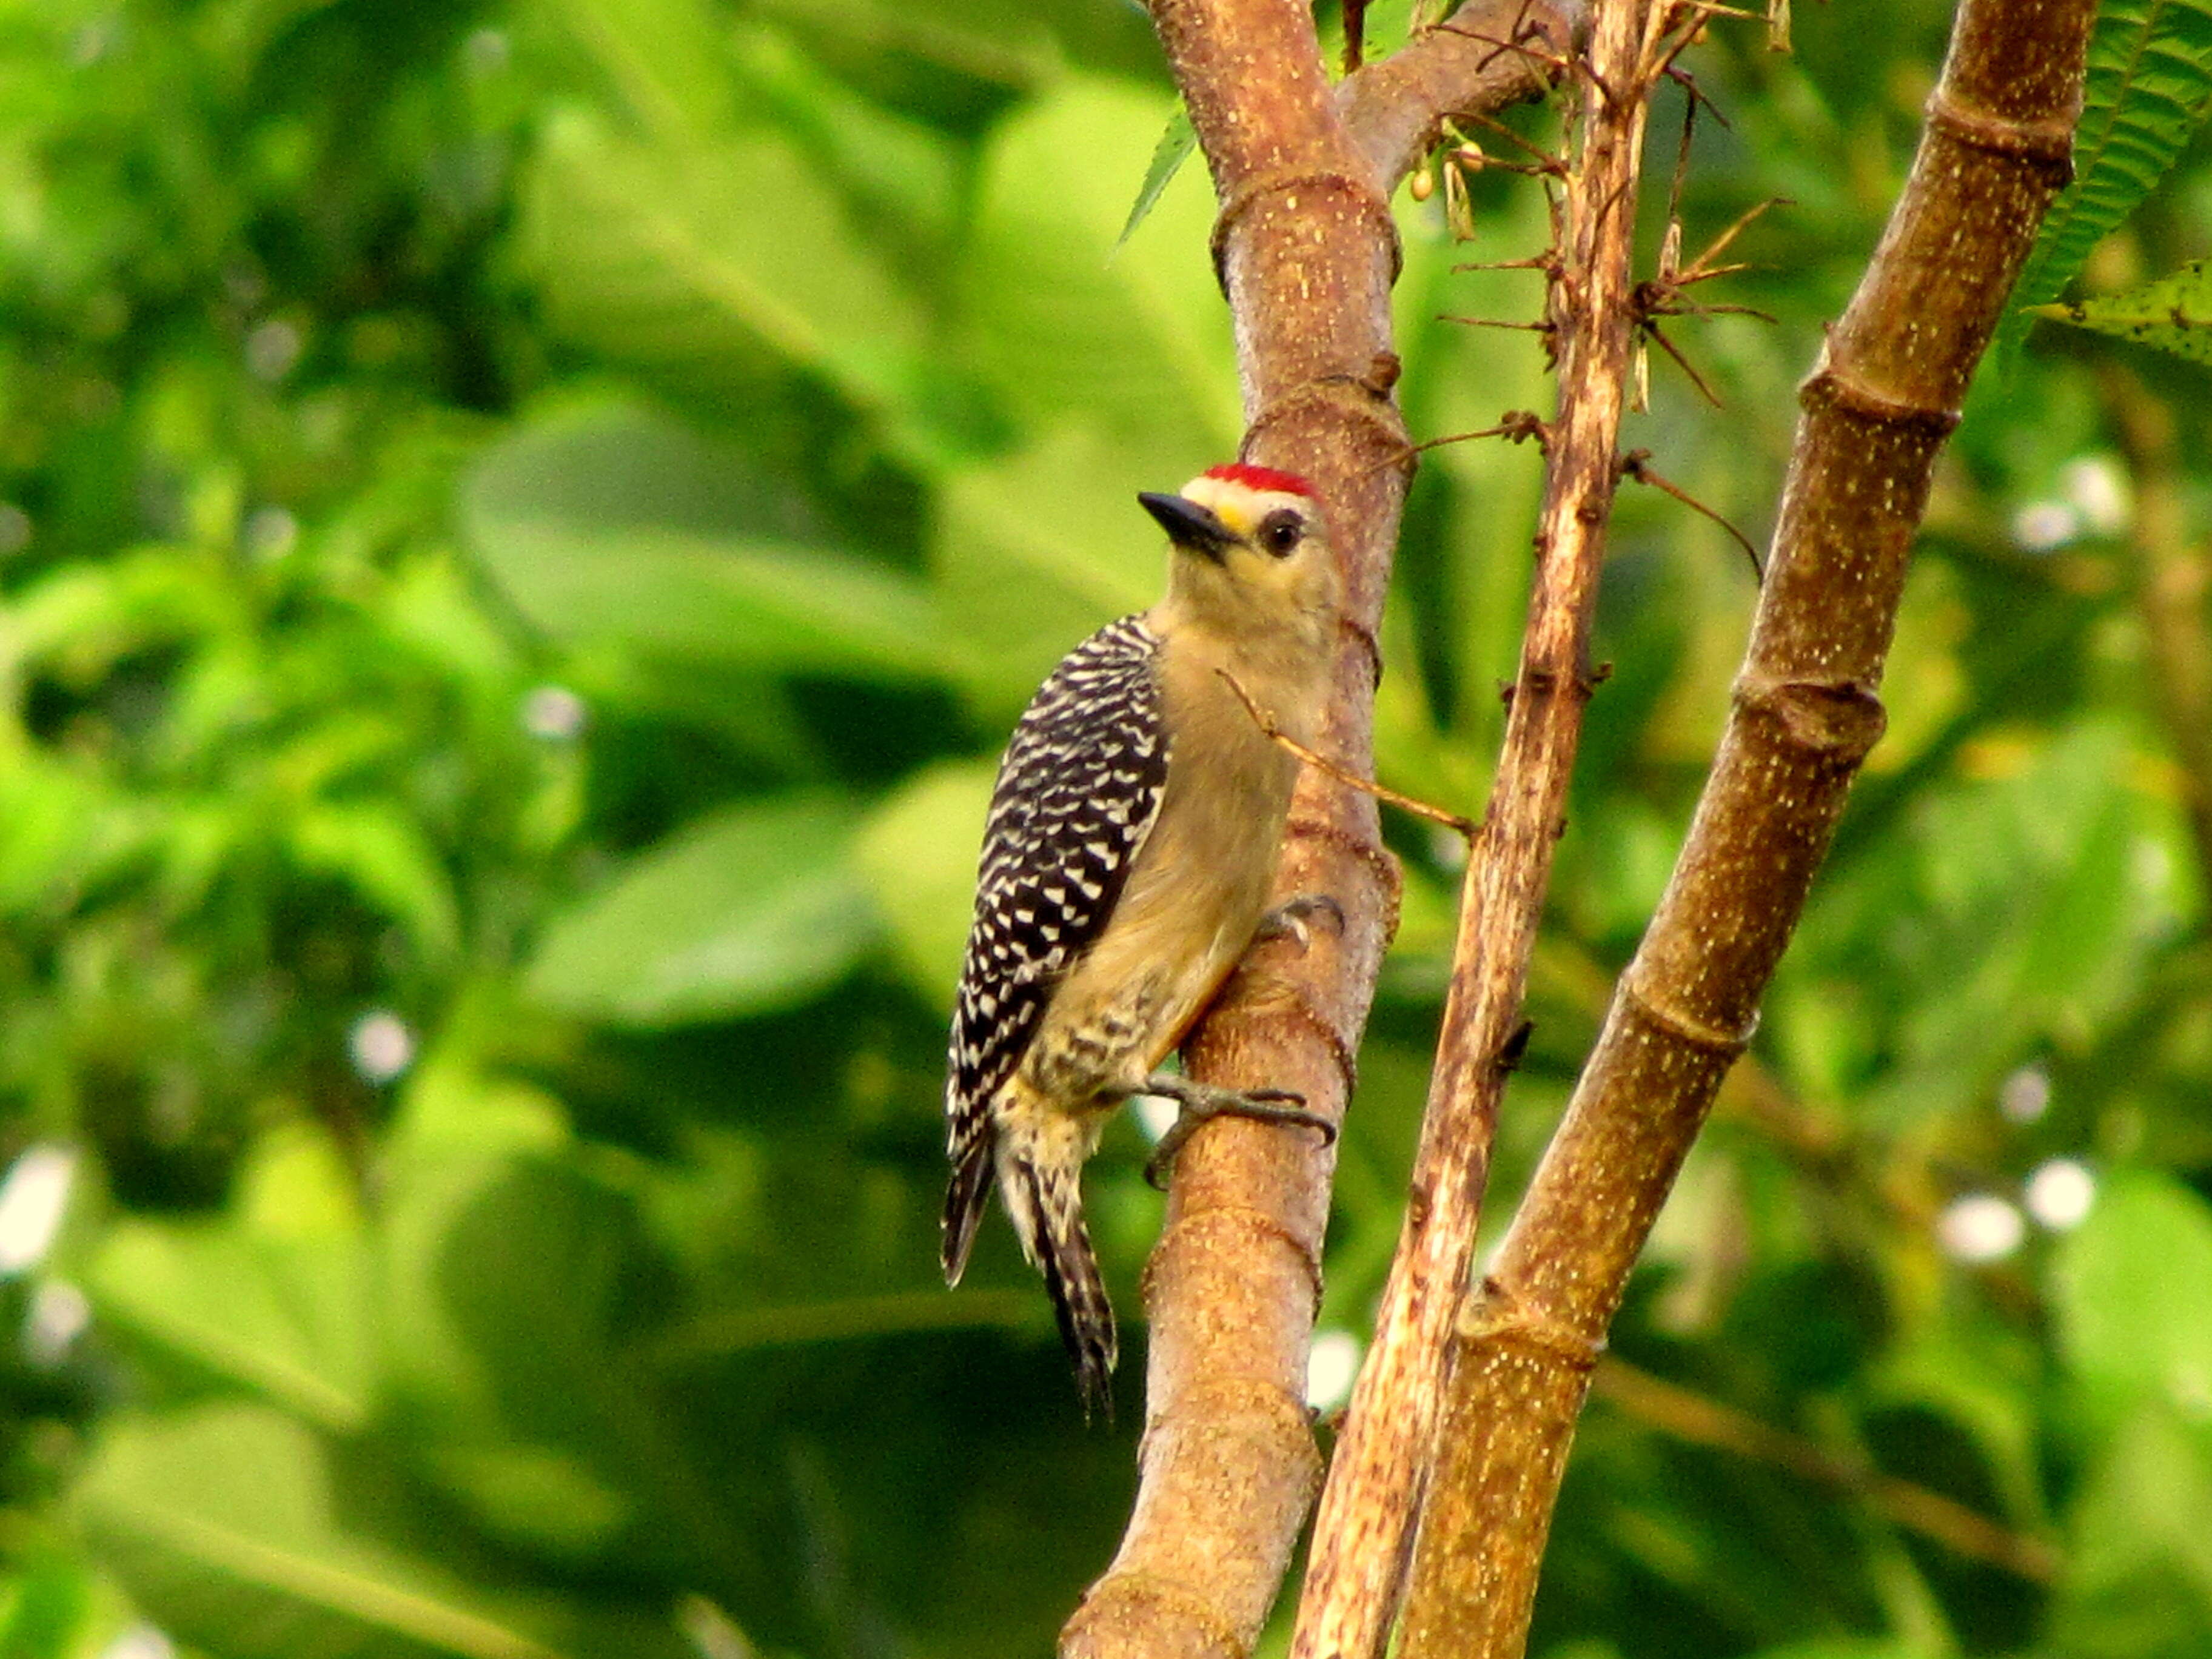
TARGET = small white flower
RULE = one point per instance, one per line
(2041, 526)
(2060, 1192)
(486, 51)
(59, 1314)
(381, 1045)
(34, 1198)
(273, 349)
(2025, 1096)
(141, 1641)
(1332, 1367)
(554, 712)
(1980, 1227)
(2098, 489)
(270, 533)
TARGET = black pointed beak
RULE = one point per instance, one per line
(1189, 525)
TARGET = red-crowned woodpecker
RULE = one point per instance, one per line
(1132, 840)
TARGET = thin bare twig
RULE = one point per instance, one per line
(1701, 269)
(1637, 465)
(1555, 166)
(1682, 78)
(1321, 764)
(1691, 1416)
(1651, 330)
(1518, 426)
(1538, 327)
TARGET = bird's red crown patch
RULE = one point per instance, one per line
(1261, 478)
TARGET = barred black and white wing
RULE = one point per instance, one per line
(1077, 793)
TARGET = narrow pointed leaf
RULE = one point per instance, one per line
(1168, 156)
(2173, 314)
(2149, 85)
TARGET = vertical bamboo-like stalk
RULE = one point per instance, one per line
(1879, 403)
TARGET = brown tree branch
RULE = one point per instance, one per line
(1364, 1525)
(1476, 61)
(1307, 251)
(1877, 409)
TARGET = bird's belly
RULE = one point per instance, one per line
(1125, 1006)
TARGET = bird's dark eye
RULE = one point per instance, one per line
(1281, 531)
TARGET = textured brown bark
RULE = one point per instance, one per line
(1365, 1526)
(1877, 408)
(1307, 253)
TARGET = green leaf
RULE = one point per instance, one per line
(1138, 348)
(917, 852)
(2149, 85)
(729, 257)
(668, 58)
(1174, 148)
(610, 525)
(900, 173)
(757, 907)
(287, 1319)
(505, 1282)
(1014, 45)
(611, 464)
(1028, 585)
(758, 607)
(2173, 313)
(2133, 1287)
(376, 848)
(535, 1497)
(516, 1288)
(2038, 919)
(2139, 1579)
(55, 824)
(84, 617)
(230, 1527)
(46, 1609)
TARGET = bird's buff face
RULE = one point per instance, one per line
(1249, 549)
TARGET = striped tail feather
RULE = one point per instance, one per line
(965, 1196)
(1059, 1243)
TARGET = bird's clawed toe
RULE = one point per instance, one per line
(1202, 1102)
(1288, 920)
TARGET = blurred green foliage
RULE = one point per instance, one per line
(522, 530)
